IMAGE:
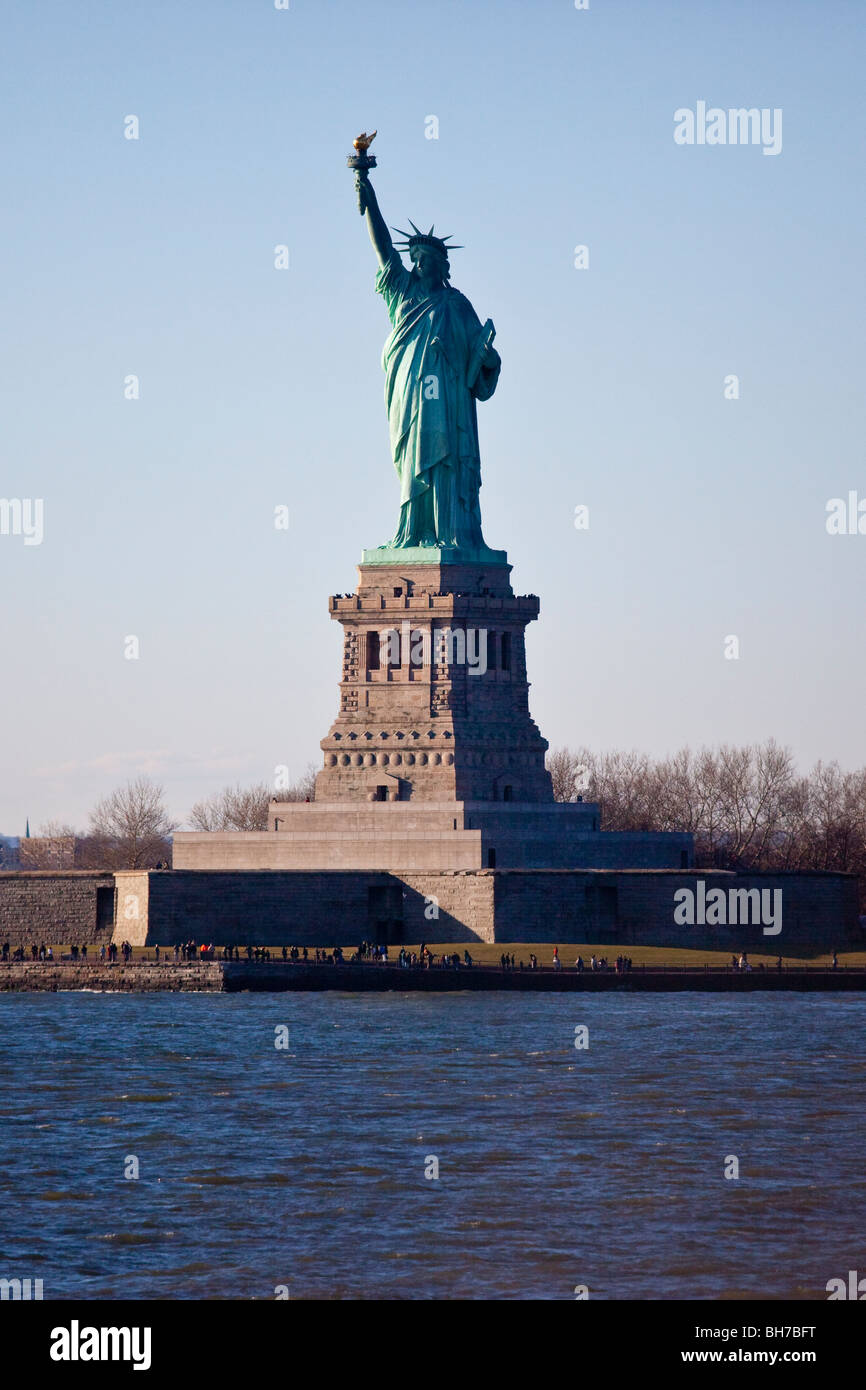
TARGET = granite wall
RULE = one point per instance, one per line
(343, 907)
(56, 906)
(652, 907)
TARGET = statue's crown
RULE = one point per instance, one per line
(416, 238)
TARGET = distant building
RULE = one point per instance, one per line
(48, 852)
(65, 852)
(9, 852)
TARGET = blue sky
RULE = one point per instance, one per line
(262, 387)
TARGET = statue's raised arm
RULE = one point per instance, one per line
(362, 162)
(379, 234)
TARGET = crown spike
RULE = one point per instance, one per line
(418, 238)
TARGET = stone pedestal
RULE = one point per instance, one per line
(434, 696)
(433, 764)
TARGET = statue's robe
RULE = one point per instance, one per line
(429, 360)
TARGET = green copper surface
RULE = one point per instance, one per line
(438, 361)
(432, 555)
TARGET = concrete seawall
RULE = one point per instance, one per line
(382, 978)
(25, 976)
(236, 976)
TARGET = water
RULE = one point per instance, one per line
(305, 1167)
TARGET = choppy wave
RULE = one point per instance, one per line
(315, 1168)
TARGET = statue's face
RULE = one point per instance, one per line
(429, 264)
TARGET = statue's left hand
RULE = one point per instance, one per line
(490, 357)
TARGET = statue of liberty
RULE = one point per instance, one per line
(438, 361)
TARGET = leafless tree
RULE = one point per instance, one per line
(562, 764)
(56, 829)
(747, 807)
(130, 828)
(234, 808)
(246, 808)
(302, 790)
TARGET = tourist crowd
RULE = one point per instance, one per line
(368, 953)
